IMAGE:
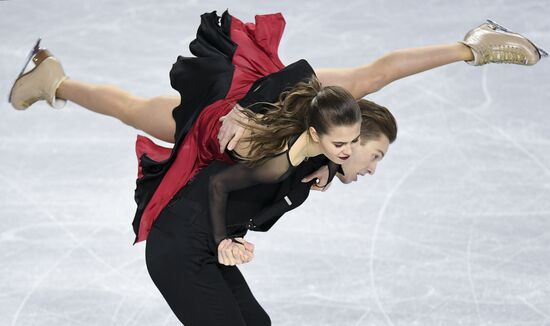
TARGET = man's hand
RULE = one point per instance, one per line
(247, 245)
(233, 253)
(322, 178)
(231, 131)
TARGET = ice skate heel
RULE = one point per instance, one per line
(39, 83)
(494, 43)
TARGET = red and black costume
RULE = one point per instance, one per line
(234, 63)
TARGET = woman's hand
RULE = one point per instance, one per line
(322, 178)
(232, 253)
(231, 131)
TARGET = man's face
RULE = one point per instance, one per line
(364, 159)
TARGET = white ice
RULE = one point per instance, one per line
(453, 229)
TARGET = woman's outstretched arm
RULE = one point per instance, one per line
(395, 65)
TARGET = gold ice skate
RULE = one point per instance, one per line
(39, 83)
(493, 43)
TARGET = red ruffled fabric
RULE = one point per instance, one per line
(255, 57)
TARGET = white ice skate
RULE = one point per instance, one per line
(493, 43)
(39, 83)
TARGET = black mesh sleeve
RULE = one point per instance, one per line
(241, 176)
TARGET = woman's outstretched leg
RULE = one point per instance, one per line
(47, 81)
(392, 66)
(150, 115)
(488, 43)
(406, 62)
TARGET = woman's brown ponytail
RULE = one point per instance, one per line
(306, 105)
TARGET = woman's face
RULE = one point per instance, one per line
(338, 143)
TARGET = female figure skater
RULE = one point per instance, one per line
(210, 288)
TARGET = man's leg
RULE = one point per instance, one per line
(181, 266)
(151, 115)
(251, 310)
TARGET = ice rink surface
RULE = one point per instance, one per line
(453, 229)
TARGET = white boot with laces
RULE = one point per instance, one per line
(492, 43)
(39, 83)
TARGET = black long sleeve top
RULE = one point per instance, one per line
(257, 207)
(240, 176)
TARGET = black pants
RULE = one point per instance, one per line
(199, 290)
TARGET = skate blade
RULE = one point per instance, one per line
(542, 52)
(494, 25)
(33, 51)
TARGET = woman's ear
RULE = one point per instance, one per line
(313, 134)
